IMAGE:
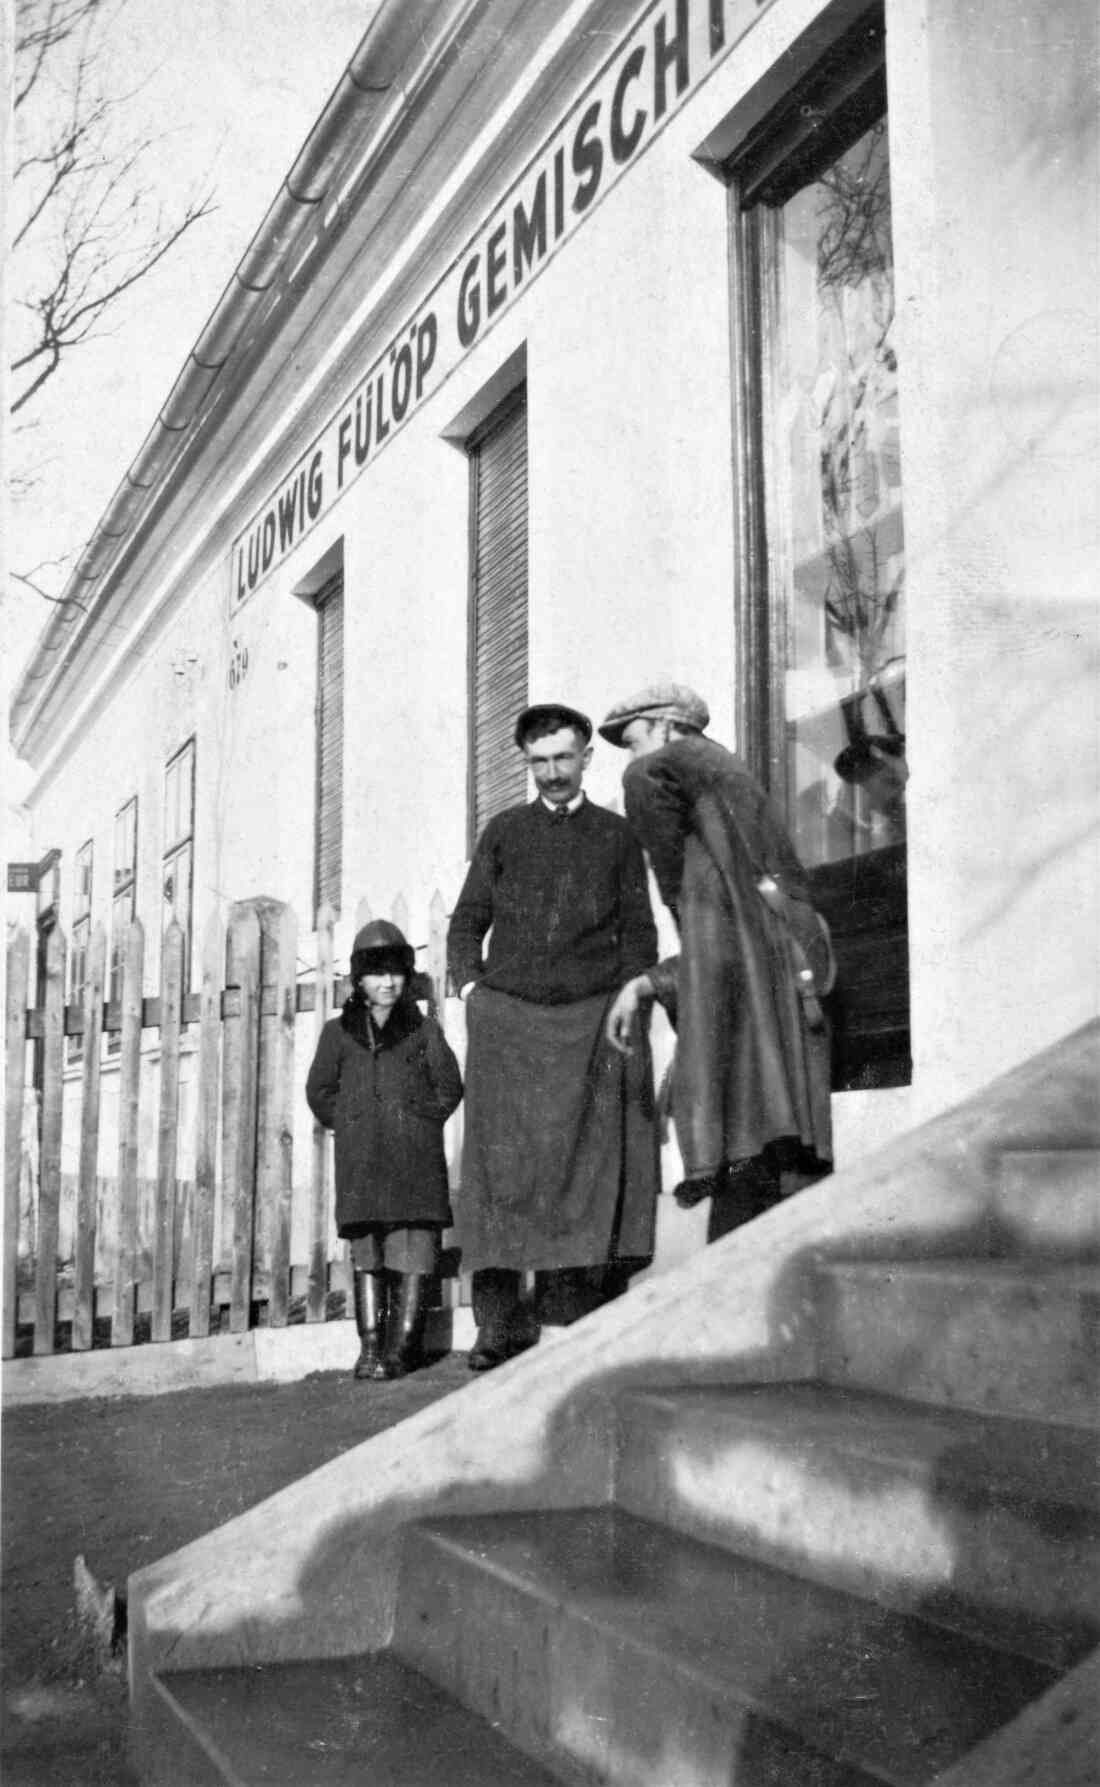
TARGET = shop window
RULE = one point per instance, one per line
(497, 648)
(328, 847)
(179, 846)
(821, 599)
(123, 902)
(81, 935)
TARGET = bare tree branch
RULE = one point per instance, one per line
(57, 601)
(87, 226)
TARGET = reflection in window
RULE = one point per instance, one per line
(179, 845)
(838, 503)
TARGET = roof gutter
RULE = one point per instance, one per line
(378, 87)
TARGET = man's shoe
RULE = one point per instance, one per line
(483, 1357)
(690, 1192)
(488, 1351)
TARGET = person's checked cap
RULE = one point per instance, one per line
(550, 710)
(660, 701)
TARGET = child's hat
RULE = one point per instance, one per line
(381, 945)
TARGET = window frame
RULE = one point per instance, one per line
(177, 845)
(123, 885)
(80, 936)
(823, 114)
(331, 591)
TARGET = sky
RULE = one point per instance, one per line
(231, 88)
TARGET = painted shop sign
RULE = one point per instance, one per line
(670, 50)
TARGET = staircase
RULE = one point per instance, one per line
(862, 1575)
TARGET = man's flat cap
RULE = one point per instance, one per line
(557, 712)
(660, 701)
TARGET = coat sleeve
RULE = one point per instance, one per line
(323, 1082)
(659, 809)
(473, 914)
(443, 1070)
(638, 932)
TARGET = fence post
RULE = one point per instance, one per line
(275, 1102)
(49, 1178)
(129, 1109)
(87, 1185)
(206, 1126)
(15, 1067)
(320, 1175)
(171, 1013)
(242, 977)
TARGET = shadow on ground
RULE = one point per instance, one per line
(126, 1481)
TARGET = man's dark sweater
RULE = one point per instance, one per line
(567, 902)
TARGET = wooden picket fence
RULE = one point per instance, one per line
(172, 1273)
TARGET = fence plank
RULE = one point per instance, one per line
(437, 952)
(15, 1078)
(86, 1212)
(129, 1113)
(49, 1180)
(399, 912)
(206, 1125)
(277, 1083)
(363, 914)
(171, 1001)
(320, 1174)
(239, 1105)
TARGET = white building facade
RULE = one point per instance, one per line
(749, 342)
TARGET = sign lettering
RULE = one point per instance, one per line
(670, 50)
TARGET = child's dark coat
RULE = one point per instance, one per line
(387, 1094)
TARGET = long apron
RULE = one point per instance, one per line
(559, 1162)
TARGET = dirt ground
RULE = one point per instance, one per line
(124, 1481)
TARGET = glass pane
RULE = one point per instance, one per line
(836, 510)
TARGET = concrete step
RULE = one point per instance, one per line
(635, 1655)
(1048, 1200)
(990, 1525)
(1003, 1337)
(330, 1723)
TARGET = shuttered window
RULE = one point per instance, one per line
(328, 855)
(498, 610)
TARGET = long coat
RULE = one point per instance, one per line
(387, 1094)
(750, 1070)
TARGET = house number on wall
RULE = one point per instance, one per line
(238, 664)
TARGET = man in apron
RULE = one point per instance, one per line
(559, 1169)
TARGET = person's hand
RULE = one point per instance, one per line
(630, 999)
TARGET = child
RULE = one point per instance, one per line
(385, 1079)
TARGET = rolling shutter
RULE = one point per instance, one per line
(498, 610)
(328, 848)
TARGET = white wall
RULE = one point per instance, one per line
(994, 134)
